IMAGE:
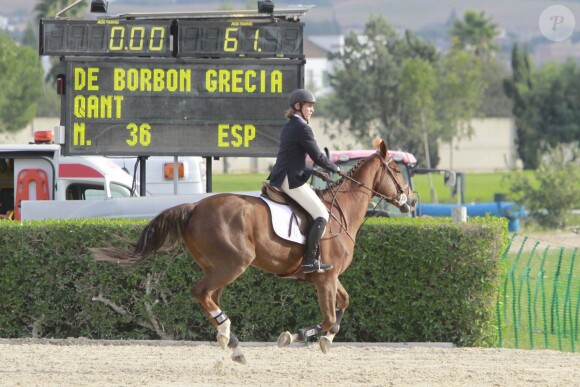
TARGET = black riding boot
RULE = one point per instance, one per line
(310, 263)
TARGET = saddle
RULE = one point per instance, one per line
(299, 215)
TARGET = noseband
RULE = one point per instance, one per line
(400, 199)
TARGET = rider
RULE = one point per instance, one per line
(291, 175)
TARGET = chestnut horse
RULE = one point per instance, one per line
(226, 233)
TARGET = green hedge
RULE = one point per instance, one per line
(411, 280)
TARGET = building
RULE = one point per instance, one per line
(318, 67)
(491, 148)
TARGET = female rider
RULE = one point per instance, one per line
(291, 175)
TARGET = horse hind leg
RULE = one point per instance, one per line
(208, 293)
(233, 342)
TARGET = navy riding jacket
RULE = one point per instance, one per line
(296, 141)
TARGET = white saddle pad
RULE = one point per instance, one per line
(281, 214)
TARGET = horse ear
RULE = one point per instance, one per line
(383, 149)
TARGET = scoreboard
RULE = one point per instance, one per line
(191, 38)
(137, 106)
(189, 85)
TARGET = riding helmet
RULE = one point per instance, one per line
(301, 95)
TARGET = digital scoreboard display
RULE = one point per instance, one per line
(193, 38)
(239, 39)
(196, 85)
(200, 107)
(106, 37)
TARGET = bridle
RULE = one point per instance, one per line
(399, 200)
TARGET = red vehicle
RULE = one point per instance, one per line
(406, 161)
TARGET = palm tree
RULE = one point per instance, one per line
(475, 33)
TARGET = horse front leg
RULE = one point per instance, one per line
(342, 302)
(326, 289)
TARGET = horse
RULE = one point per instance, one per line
(226, 233)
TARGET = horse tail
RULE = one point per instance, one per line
(165, 229)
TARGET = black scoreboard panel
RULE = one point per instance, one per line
(106, 37)
(157, 106)
(213, 38)
(237, 38)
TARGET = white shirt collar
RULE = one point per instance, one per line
(300, 118)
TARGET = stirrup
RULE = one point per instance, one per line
(316, 266)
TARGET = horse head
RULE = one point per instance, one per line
(390, 184)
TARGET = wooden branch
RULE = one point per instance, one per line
(111, 304)
(152, 322)
(150, 314)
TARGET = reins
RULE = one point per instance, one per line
(398, 200)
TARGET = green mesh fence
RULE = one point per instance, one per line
(539, 299)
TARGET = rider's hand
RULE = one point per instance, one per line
(321, 174)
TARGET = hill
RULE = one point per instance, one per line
(516, 17)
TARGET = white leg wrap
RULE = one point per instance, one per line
(224, 328)
(223, 335)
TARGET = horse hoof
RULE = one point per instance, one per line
(325, 344)
(285, 339)
(239, 357)
(223, 341)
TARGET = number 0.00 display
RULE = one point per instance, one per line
(106, 37)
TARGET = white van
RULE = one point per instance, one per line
(35, 172)
(160, 176)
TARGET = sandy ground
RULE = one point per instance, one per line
(81, 362)
(86, 363)
(567, 239)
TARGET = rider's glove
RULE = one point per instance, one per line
(321, 174)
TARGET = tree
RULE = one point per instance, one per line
(556, 192)
(516, 89)
(475, 34)
(495, 102)
(378, 89)
(49, 9)
(554, 105)
(30, 37)
(458, 94)
(546, 106)
(20, 84)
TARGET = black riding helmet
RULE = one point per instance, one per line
(300, 95)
